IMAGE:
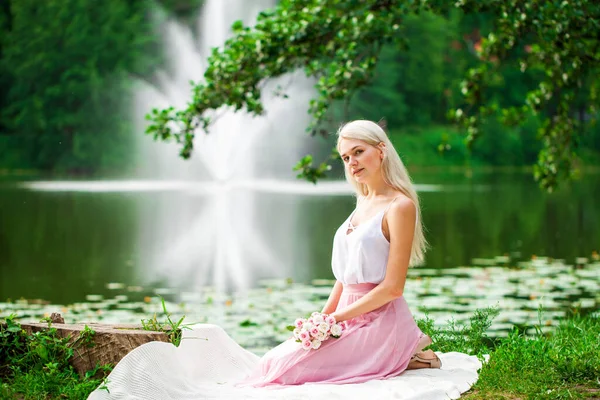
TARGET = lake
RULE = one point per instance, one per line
(495, 239)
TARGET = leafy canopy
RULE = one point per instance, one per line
(339, 43)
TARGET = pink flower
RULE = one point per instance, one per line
(310, 320)
(306, 344)
(304, 336)
(314, 331)
(299, 322)
(330, 320)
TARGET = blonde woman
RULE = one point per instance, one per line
(372, 251)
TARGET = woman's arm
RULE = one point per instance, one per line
(401, 222)
(334, 298)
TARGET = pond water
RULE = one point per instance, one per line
(495, 239)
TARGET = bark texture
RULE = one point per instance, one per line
(109, 344)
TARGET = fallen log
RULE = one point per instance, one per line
(95, 343)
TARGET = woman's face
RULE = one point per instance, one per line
(361, 160)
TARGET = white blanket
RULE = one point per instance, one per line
(208, 363)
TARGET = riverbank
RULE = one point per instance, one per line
(562, 364)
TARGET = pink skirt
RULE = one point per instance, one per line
(376, 345)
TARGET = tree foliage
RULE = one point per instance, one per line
(65, 65)
(340, 43)
(560, 42)
(66, 69)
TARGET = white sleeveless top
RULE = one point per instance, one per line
(361, 256)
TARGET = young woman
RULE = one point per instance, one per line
(372, 251)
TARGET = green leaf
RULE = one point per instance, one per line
(237, 26)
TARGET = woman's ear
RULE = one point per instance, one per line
(381, 147)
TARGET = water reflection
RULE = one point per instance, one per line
(62, 244)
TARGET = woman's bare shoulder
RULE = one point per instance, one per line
(401, 208)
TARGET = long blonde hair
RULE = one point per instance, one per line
(394, 174)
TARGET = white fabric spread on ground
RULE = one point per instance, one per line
(208, 363)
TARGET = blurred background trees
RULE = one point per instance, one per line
(66, 68)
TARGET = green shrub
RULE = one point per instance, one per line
(36, 365)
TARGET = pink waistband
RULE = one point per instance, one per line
(359, 288)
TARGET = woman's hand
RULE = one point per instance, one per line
(335, 317)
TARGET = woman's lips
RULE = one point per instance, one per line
(357, 171)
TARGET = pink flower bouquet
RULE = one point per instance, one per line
(312, 331)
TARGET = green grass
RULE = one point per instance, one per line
(469, 338)
(36, 365)
(563, 364)
(171, 328)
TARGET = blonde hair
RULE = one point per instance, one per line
(394, 174)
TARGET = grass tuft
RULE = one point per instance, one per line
(469, 338)
(36, 365)
(173, 329)
(564, 364)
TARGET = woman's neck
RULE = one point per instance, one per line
(378, 189)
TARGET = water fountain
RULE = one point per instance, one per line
(229, 215)
(209, 235)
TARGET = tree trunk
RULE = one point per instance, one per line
(109, 344)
